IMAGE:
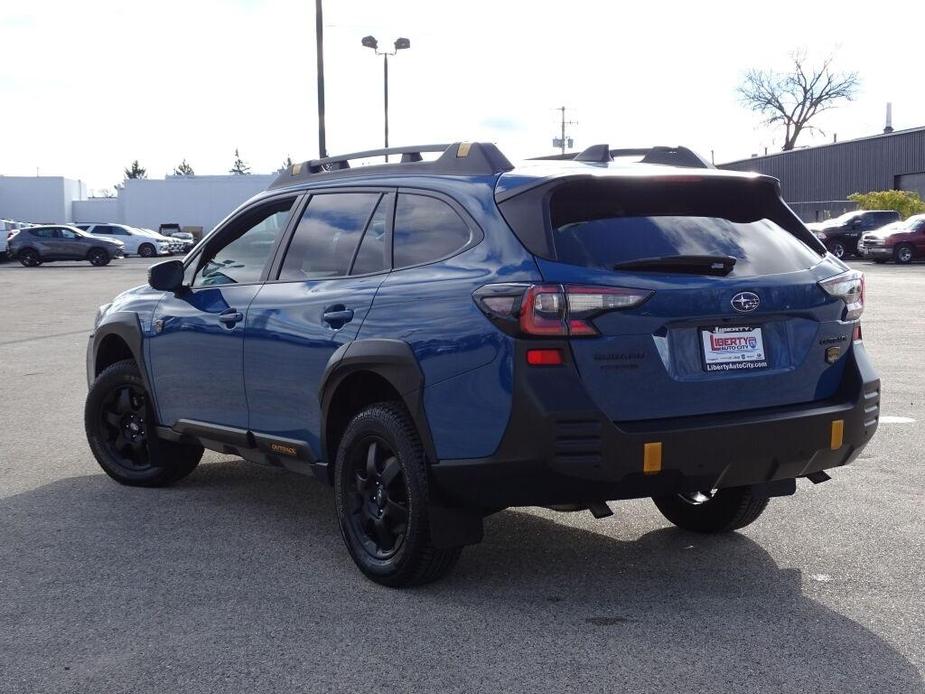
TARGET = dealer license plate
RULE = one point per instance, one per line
(733, 349)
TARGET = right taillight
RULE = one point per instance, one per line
(849, 287)
(553, 310)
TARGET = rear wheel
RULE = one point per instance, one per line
(903, 254)
(98, 257)
(29, 257)
(120, 426)
(381, 495)
(146, 250)
(714, 511)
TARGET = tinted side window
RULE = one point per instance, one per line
(45, 233)
(242, 252)
(327, 235)
(371, 256)
(426, 229)
(68, 234)
(102, 229)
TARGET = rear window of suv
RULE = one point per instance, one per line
(604, 224)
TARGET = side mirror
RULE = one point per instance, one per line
(166, 276)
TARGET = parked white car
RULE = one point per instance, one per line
(174, 244)
(136, 241)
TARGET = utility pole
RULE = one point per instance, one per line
(319, 47)
(563, 142)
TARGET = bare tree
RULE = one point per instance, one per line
(794, 98)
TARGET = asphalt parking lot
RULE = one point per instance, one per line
(237, 579)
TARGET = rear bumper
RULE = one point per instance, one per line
(560, 449)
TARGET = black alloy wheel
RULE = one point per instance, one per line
(123, 417)
(98, 257)
(119, 419)
(382, 498)
(29, 258)
(379, 499)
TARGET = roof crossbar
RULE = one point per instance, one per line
(460, 158)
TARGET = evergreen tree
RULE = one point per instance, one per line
(184, 169)
(135, 170)
(239, 168)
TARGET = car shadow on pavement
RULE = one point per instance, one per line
(237, 579)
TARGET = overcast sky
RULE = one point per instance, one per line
(88, 85)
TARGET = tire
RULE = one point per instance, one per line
(721, 511)
(146, 250)
(98, 257)
(839, 250)
(134, 456)
(29, 257)
(903, 254)
(381, 494)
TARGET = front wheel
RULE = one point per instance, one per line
(839, 250)
(98, 257)
(146, 250)
(903, 254)
(715, 511)
(381, 495)
(120, 425)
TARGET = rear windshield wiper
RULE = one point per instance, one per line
(689, 264)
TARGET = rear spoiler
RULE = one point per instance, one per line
(669, 156)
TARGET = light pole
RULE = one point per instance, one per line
(319, 49)
(371, 42)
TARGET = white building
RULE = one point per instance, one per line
(39, 198)
(190, 201)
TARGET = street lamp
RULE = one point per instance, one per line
(400, 44)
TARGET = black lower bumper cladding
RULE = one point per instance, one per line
(559, 448)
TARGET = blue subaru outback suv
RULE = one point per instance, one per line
(442, 339)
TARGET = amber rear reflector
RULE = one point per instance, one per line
(838, 433)
(652, 458)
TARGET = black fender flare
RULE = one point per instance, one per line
(126, 326)
(394, 361)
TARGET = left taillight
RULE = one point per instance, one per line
(849, 287)
(553, 310)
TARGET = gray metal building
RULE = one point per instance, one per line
(816, 181)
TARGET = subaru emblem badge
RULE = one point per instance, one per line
(745, 302)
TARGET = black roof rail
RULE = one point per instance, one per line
(459, 158)
(671, 156)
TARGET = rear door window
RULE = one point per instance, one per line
(371, 256)
(426, 229)
(328, 234)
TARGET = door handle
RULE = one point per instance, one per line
(337, 316)
(230, 316)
